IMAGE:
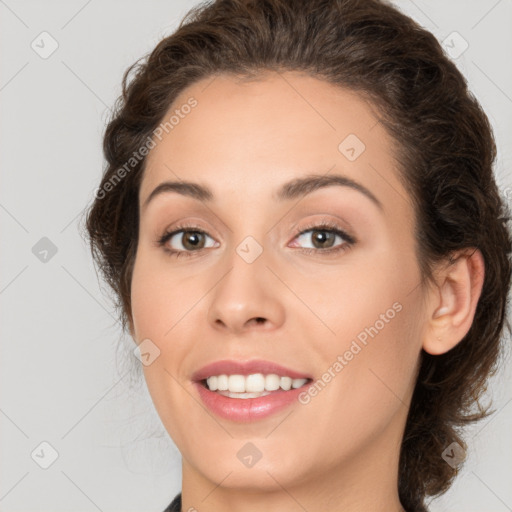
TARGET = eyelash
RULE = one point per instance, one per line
(326, 226)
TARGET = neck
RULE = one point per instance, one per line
(366, 480)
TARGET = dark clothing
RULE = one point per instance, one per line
(175, 505)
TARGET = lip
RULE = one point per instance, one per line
(246, 410)
(233, 367)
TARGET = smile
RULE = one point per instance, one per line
(253, 384)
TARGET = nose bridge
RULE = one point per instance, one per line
(245, 292)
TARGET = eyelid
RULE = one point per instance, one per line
(180, 227)
(189, 225)
(323, 224)
(327, 223)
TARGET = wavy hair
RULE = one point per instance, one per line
(445, 151)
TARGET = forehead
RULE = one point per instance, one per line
(252, 135)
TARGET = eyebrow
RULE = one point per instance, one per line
(293, 189)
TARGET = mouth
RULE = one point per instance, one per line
(250, 390)
(253, 385)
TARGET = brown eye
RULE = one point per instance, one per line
(324, 239)
(185, 241)
(192, 240)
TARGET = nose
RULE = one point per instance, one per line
(247, 296)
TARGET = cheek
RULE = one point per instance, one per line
(157, 298)
(370, 334)
(369, 370)
(165, 305)
(373, 296)
(144, 300)
(160, 302)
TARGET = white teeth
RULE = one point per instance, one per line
(222, 382)
(250, 384)
(297, 383)
(286, 383)
(255, 382)
(213, 383)
(236, 383)
(272, 382)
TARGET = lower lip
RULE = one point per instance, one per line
(245, 410)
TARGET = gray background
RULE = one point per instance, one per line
(62, 381)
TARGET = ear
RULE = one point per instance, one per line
(453, 301)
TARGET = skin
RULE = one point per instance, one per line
(244, 140)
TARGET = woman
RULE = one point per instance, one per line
(300, 220)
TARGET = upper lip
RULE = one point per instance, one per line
(233, 367)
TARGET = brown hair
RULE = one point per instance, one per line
(445, 149)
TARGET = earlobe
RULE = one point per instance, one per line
(454, 301)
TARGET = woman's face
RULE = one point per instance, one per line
(262, 282)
